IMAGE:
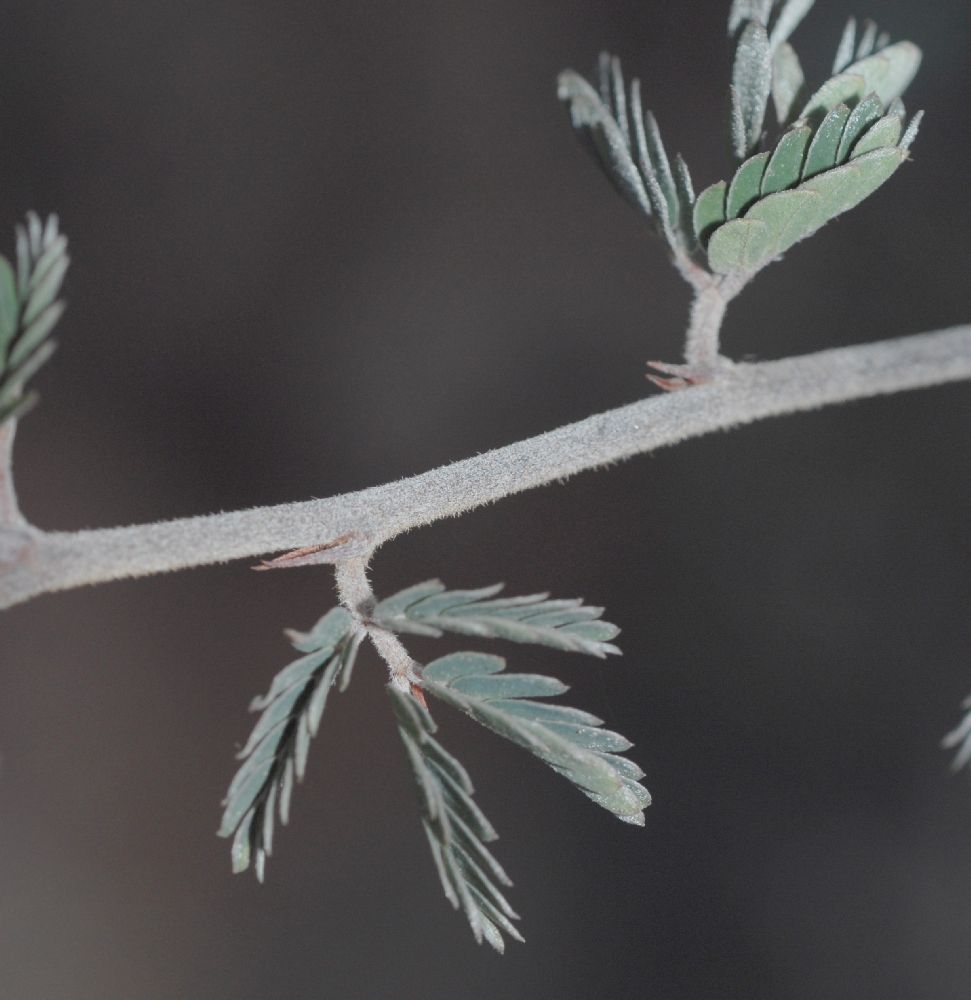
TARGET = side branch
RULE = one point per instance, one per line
(744, 393)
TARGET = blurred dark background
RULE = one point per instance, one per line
(319, 246)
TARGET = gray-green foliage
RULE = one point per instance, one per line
(456, 828)
(627, 141)
(275, 755)
(29, 309)
(429, 609)
(572, 742)
(838, 143)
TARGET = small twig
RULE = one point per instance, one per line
(702, 340)
(355, 593)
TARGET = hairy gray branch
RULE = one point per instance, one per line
(352, 525)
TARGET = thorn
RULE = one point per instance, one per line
(667, 384)
(418, 695)
(307, 556)
(682, 376)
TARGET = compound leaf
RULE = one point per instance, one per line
(29, 309)
(572, 744)
(591, 118)
(775, 223)
(457, 830)
(430, 609)
(625, 139)
(276, 752)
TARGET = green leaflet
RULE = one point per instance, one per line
(861, 118)
(826, 142)
(868, 40)
(456, 828)
(9, 309)
(686, 195)
(911, 132)
(429, 609)
(885, 132)
(804, 184)
(660, 165)
(751, 86)
(572, 743)
(275, 754)
(780, 220)
(626, 141)
(846, 47)
(746, 185)
(788, 81)
(784, 168)
(886, 73)
(29, 309)
(592, 119)
(709, 210)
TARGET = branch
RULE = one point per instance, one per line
(363, 520)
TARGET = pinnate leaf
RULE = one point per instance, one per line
(430, 609)
(275, 755)
(625, 139)
(29, 309)
(778, 221)
(811, 176)
(592, 119)
(456, 828)
(572, 743)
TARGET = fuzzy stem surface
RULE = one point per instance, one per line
(739, 395)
